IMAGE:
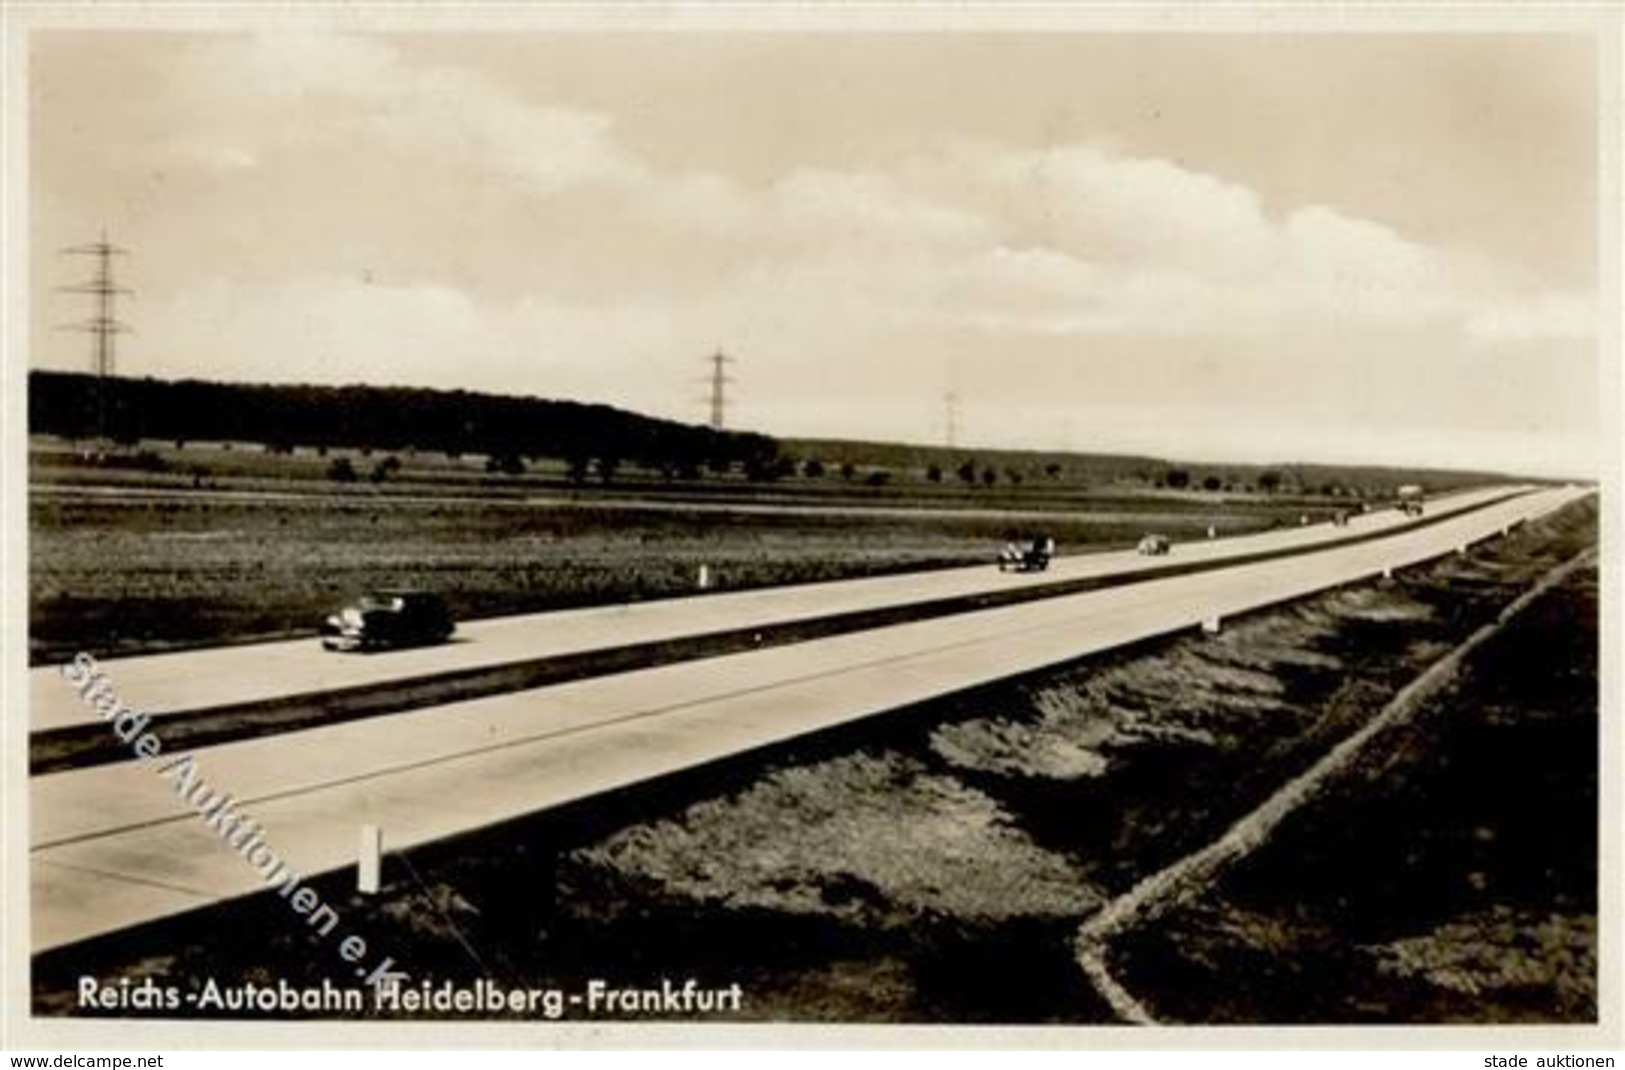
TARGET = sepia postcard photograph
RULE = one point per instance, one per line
(526, 524)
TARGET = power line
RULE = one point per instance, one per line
(103, 326)
(719, 381)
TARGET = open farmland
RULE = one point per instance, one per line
(168, 546)
(120, 569)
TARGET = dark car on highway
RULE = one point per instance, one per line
(389, 618)
(1027, 555)
(1154, 545)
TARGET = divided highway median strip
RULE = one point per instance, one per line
(80, 746)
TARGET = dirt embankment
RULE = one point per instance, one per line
(1449, 876)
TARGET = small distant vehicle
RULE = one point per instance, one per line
(1027, 555)
(1410, 498)
(1154, 545)
(390, 618)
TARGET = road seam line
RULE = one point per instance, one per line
(207, 897)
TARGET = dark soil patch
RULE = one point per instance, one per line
(1451, 877)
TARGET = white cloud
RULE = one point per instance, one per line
(1543, 318)
(868, 208)
(1146, 210)
(1180, 251)
(1335, 246)
(1097, 205)
(1074, 239)
(461, 116)
(552, 255)
(332, 330)
(216, 157)
(273, 68)
(335, 97)
(698, 202)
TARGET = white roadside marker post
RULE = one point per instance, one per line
(705, 578)
(369, 865)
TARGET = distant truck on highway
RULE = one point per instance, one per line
(1411, 498)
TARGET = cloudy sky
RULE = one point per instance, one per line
(1355, 247)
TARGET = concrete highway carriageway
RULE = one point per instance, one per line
(264, 675)
(114, 845)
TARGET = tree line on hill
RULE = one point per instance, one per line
(597, 442)
(987, 468)
(507, 429)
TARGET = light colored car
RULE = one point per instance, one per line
(1154, 545)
